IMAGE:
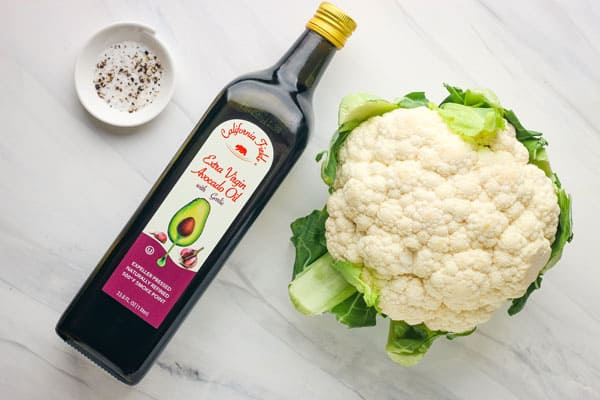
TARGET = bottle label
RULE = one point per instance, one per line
(187, 226)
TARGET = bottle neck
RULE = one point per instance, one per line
(304, 63)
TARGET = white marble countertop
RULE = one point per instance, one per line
(68, 184)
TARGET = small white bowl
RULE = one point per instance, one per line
(86, 65)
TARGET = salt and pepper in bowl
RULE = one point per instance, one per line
(124, 75)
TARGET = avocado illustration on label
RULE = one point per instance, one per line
(186, 225)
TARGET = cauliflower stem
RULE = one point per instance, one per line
(325, 282)
(317, 286)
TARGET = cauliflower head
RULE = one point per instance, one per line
(445, 230)
(437, 215)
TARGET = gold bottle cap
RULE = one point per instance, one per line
(332, 23)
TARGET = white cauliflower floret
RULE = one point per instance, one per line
(449, 229)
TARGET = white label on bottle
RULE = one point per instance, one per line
(191, 220)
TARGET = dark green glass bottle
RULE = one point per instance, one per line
(201, 206)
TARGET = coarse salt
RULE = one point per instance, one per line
(128, 76)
